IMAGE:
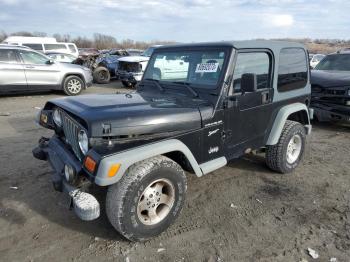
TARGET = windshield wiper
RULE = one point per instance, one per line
(156, 82)
(188, 86)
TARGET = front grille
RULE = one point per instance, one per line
(71, 130)
(132, 67)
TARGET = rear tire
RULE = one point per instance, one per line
(148, 199)
(286, 155)
(73, 85)
(101, 75)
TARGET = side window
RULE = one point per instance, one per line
(8, 56)
(72, 48)
(292, 71)
(258, 63)
(55, 47)
(38, 47)
(33, 58)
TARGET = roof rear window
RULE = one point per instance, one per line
(293, 69)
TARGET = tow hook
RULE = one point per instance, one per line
(43, 141)
(38, 152)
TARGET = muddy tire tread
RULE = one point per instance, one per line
(117, 193)
(274, 154)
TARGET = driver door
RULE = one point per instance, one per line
(39, 73)
(247, 118)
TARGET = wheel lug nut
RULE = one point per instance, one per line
(150, 195)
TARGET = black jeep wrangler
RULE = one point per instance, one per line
(197, 107)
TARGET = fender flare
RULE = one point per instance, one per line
(281, 119)
(130, 157)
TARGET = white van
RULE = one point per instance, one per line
(43, 44)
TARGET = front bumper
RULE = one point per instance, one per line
(55, 152)
(129, 76)
(331, 112)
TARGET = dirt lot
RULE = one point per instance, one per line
(242, 212)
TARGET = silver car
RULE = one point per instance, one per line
(23, 69)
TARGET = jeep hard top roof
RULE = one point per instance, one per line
(252, 44)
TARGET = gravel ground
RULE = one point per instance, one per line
(242, 212)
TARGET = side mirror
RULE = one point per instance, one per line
(50, 62)
(249, 83)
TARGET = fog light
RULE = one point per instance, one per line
(347, 103)
(69, 173)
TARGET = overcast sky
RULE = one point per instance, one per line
(180, 20)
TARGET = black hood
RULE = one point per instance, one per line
(135, 114)
(330, 78)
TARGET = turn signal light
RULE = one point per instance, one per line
(113, 170)
(90, 164)
(43, 118)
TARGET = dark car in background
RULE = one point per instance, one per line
(131, 68)
(106, 64)
(331, 87)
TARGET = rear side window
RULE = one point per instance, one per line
(72, 48)
(55, 47)
(8, 56)
(292, 72)
(38, 47)
(258, 63)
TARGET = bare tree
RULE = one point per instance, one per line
(104, 41)
(83, 42)
(22, 33)
(39, 34)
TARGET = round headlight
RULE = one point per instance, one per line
(57, 118)
(83, 142)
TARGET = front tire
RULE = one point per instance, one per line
(286, 155)
(148, 199)
(73, 85)
(101, 75)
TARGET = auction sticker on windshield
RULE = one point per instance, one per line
(207, 67)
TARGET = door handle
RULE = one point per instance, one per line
(265, 97)
(30, 67)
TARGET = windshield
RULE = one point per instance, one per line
(201, 68)
(339, 62)
(148, 52)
